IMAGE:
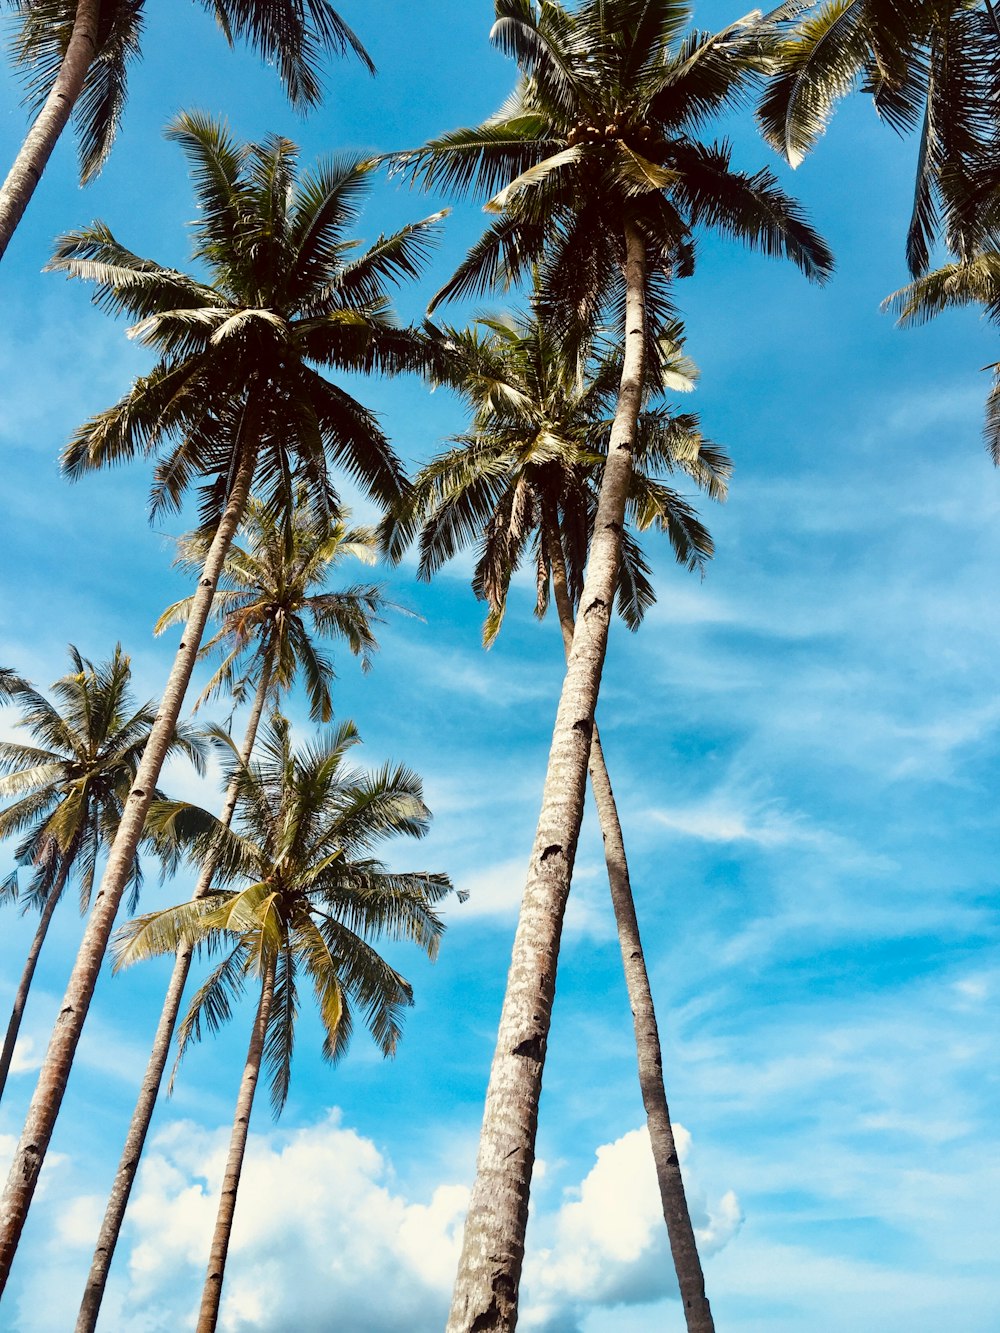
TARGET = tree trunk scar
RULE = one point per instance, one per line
(553, 850)
(531, 1049)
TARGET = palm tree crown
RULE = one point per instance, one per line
(71, 789)
(269, 597)
(239, 355)
(72, 784)
(528, 470)
(310, 894)
(601, 130)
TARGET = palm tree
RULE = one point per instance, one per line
(77, 54)
(525, 475)
(266, 602)
(603, 184)
(311, 898)
(972, 281)
(236, 399)
(929, 65)
(71, 786)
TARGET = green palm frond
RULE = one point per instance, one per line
(972, 281)
(243, 357)
(71, 789)
(211, 1006)
(927, 66)
(307, 893)
(599, 132)
(270, 606)
(527, 471)
(292, 35)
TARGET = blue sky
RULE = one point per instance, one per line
(803, 746)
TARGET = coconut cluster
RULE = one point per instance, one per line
(638, 134)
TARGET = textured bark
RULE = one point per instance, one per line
(486, 1288)
(128, 1166)
(54, 1073)
(680, 1232)
(21, 998)
(50, 122)
(208, 1315)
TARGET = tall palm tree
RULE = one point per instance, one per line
(267, 600)
(310, 899)
(602, 182)
(236, 399)
(71, 786)
(932, 66)
(76, 55)
(525, 476)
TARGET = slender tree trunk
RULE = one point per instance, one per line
(21, 998)
(52, 1079)
(486, 1288)
(673, 1200)
(50, 122)
(90, 1307)
(208, 1315)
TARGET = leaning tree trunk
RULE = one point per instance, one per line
(676, 1214)
(21, 998)
(50, 122)
(121, 1189)
(486, 1288)
(54, 1073)
(208, 1315)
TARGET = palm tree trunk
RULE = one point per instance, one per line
(208, 1315)
(21, 998)
(54, 1073)
(486, 1288)
(90, 1307)
(50, 122)
(680, 1232)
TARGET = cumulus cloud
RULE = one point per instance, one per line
(609, 1245)
(324, 1239)
(27, 1056)
(320, 1240)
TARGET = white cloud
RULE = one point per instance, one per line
(319, 1234)
(324, 1237)
(734, 813)
(27, 1056)
(718, 821)
(497, 890)
(609, 1244)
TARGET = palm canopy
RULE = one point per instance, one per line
(932, 66)
(288, 295)
(307, 895)
(602, 130)
(71, 785)
(291, 35)
(270, 598)
(528, 471)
